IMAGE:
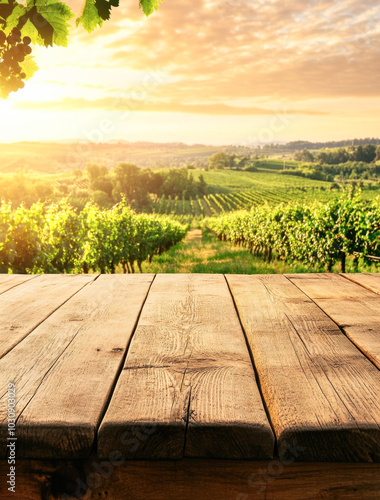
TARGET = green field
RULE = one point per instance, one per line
(234, 190)
(227, 190)
(202, 252)
(231, 180)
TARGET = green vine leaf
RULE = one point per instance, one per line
(46, 22)
(104, 8)
(90, 18)
(43, 22)
(149, 6)
(29, 67)
(95, 12)
(9, 15)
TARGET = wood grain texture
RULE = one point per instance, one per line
(321, 392)
(371, 281)
(25, 306)
(8, 281)
(354, 308)
(64, 371)
(188, 385)
(191, 479)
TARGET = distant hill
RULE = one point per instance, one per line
(291, 147)
(60, 157)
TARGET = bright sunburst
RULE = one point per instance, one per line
(216, 72)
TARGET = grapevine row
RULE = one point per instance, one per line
(318, 234)
(223, 202)
(57, 238)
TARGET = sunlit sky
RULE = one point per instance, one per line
(212, 72)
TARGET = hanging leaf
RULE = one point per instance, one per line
(6, 10)
(104, 8)
(43, 22)
(90, 18)
(29, 67)
(149, 6)
(11, 20)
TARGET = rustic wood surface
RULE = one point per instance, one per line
(85, 343)
(354, 308)
(24, 307)
(321, 392)
(368, 280)
(191, 479)
(8, 281)
(188, 382)
(155, 367)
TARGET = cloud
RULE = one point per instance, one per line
(222, 58)
(298, 50)
(133, 104)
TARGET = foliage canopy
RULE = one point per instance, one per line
(44, 22)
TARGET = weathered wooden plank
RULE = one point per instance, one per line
(368, 280)
(188, 385)
(64, 371)
(24, 307)
(191, 479)
(354, 308)
(8, 281)
(321, 391)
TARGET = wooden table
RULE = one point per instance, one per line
(180, 386)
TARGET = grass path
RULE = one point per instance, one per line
(202, 252)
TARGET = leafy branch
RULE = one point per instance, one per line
(46, 23)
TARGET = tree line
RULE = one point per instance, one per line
(342, 172)
(366, 154)
(139, 186)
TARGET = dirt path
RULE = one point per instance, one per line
(204, 253)
(194, 236)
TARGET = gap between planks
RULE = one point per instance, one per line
(188, 387)
(63, 387)
(321, 391)
(8, 281)
(353, 305)
(24, 307)
(257, 377)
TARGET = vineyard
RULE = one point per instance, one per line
(231, 191)
(78, 228)
(318, 234)
(57, 238)
(219, 203)
(223, 191)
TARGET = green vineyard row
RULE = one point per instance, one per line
(58, 238)
(215, 204)
(319, 234)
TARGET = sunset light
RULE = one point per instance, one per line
(190, 249)
(212, 72)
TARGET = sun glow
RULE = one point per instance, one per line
(218, 74)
